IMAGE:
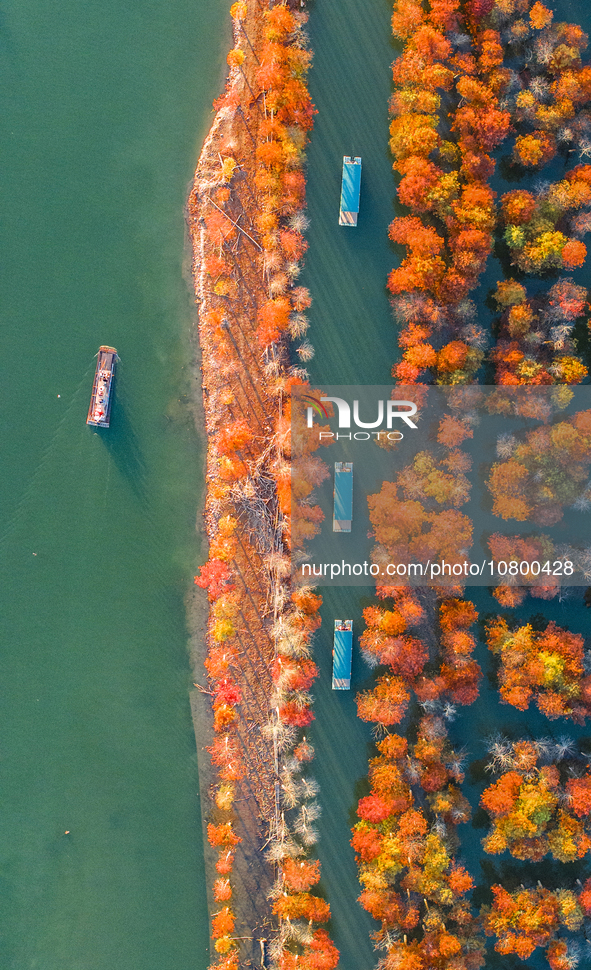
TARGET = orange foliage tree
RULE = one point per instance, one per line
(515, 550)
(519, 358)
(529, 918)
(409, 533)
(546, 666)
(404, 863)
(530, 807)
(544, 473)
(541, 230)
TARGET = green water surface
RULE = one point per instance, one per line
(105, 105)
(355, 342)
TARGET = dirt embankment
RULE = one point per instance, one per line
(237, 270)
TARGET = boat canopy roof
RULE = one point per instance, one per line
(341, 654)
(343, 491)
(351, 185)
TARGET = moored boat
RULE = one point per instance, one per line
(99, 412)
(342, 654)
(350, 191)
(343, 496)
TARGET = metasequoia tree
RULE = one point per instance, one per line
(542, 231)
(302, 471)
(297, 908)
(215, 577)
(536, 344)
(411, 881)
(548, 667)
(545, 472)
(385, 641)
(459, 674)
(529, 918)
(533, 812)
(408, 532)
(514, 550)
(444, 169)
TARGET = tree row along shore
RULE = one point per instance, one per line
(247, 223)
(474, 79)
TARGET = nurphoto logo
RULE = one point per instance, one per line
(388, 408)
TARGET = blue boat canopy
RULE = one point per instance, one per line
(343, 496)
(342, 654)
(350, 191)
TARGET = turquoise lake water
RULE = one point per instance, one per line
(105, 107)
(352, 333)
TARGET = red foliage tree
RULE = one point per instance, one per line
(300, 875)
(214, 576)
(222, 835)
(386, 704)
(367, 843)
(222, 923)
(374, 808)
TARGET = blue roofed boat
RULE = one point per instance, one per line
(342, 654)
(343, 496)
(350, 190)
